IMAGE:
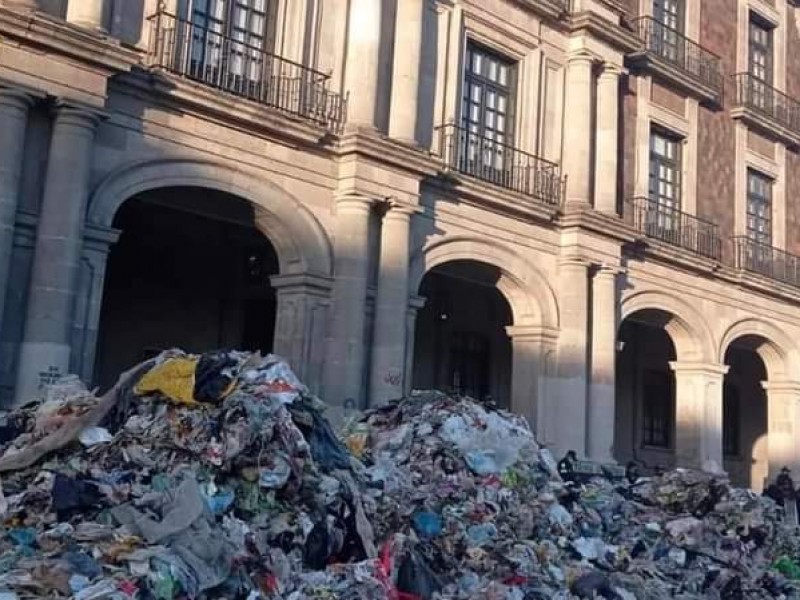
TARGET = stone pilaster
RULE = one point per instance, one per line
(414, 305)
(363, 62)
(578, 128)
(569, 425)
(783, 429)
(406, 73)
(389, 332)
(97, 243)
(45, 350)
(301, 320)
(14, 107)
(606, 152)
(344, 365)
(698, 415)
(528, 371)
(89, 14)
(600, 432)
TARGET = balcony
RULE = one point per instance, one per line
(501, 165)
(766, 260)
(223, 63)
(764, 108)
(670, 55)
(677, 228)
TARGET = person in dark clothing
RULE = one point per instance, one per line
(632, 472)
(566, 466)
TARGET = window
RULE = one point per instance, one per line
(664, 188)
(469, 364)
(730, 420)
(759, 208)
(760, 58)
(657, 408)
(487, 111)
(669, 14)
(228, 40)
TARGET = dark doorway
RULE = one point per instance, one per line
(461, 345)
(190, 270)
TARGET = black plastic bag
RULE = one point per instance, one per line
(73, 495)
(415, 577)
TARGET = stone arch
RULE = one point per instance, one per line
(301, 242)
(528, 293)
(686, 327)
(776, 349)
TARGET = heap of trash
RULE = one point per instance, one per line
(218, 477)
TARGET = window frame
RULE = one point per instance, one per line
(661, 380)
(766, 200)
(757, 23)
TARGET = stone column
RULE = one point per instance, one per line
(578, 128)
(97, 244)
(414, 306)
(87, 13)
(698, 415)
(605, 174)
(300, 321)
(406, 73)
(600, 432)
(569, 424)
(391, 304)
(14, 107)
(344, 365)
(783, 429)
(363, 62)
(527, 371)
(45, 350)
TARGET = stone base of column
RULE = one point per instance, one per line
(40, 364)
(600, 425)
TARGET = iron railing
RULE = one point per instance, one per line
(675, 227)
(500, 164)
(762, 98)
(232, 66)
(767, 260)
(673, 47)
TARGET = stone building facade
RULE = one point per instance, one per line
(583, 210)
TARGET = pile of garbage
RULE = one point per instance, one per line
(218, 477)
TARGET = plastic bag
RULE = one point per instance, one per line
(415, 577)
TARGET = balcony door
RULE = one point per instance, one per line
(669, 17)
(487, 117)
(228, 43)
(664, 186)
(760, 63)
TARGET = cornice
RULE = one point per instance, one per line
(592, 24)
(59, 37)
(379, 148)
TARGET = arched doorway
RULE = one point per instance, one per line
(744, 414)
(645, 390)
(190, 270)
(461, 344)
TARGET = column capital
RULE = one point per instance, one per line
(400, 211)
(67, 112)
(302, 282)
(532, 333)
(573, 262)
(611, 71)
(354, 203)
(698, 368)
(18, 98)
(415, 303)
(782, 387)
(578, 57)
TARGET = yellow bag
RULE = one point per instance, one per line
(174, 378)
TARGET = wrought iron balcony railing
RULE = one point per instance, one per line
(764, 100)
(766, 260)
(672, 47)
(500, 164)
(675, 227)
(233, 66)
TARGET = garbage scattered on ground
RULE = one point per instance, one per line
(218, 477)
